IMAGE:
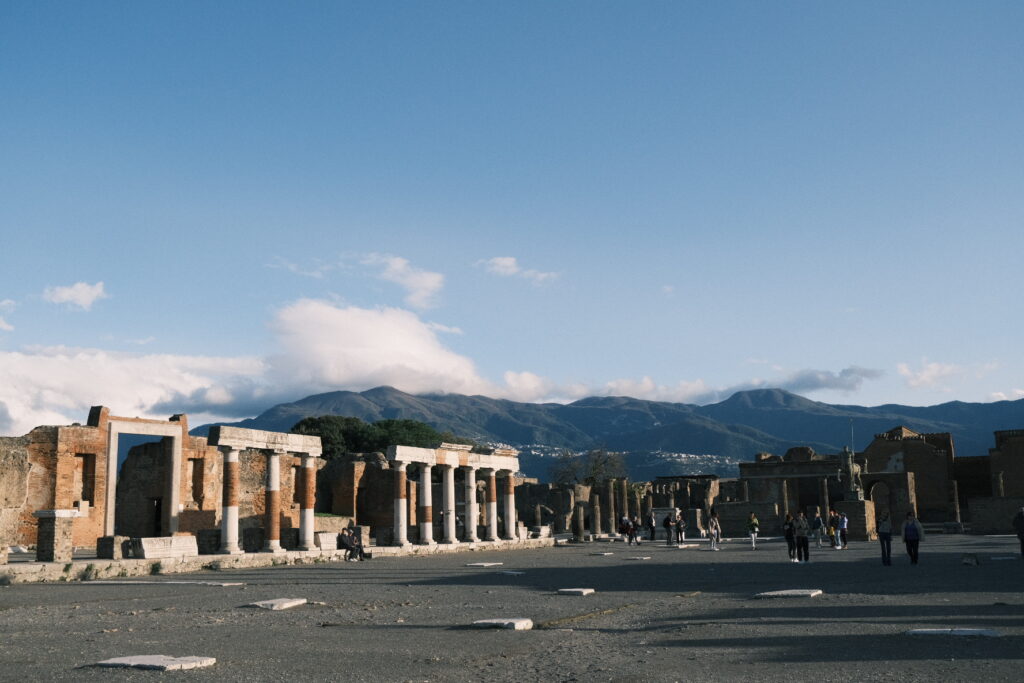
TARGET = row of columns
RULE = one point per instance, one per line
(229, 532)
(425, 510)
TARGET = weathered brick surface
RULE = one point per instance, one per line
(54, 541)
(994, 515)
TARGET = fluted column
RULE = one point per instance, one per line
(472, 513)
(426, 508)
(229, 503)
(307, 518)
(401, 534)
(510, 505)
(492, 506)
(613, 521)
(448, 502)
(272, 512)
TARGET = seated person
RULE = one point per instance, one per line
(348, 543)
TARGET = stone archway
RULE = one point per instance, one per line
(881, 496)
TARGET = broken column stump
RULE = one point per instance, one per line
(54, 539)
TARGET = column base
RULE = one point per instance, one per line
(273, 547)
(427, 543)
(230, 551)
(452, 542)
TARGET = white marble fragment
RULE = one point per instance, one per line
(512, 624)
(792, 593)
(158, 662)
(485, 564)
(602, 554)
(575, 591)
(987, 632)
(278, 603)
(639, 557)
(219, 584)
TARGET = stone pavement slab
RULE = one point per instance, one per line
(485, 564)
(575, 591)
(639, 557)
(792, 593)
(516, 624)
(158, 662)
(278, 603)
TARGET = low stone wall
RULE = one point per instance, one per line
(80, 570)
(994, 515)
(734, 516)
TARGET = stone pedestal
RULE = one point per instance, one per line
(54, 539)
(861, 519)
(113, 547)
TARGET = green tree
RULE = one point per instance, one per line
(341, 435)
(589, 468)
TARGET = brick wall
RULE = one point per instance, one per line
(994, 515)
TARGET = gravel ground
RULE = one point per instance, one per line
(683, 614)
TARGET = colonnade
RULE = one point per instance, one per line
(498, 464)
(471, 514)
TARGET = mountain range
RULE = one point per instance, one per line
(654, 433)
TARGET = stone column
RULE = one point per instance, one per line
(649, 504)
(745, 490)
(472, 511)
(578, 522)
(492, 505)
(595, 514)
(272, 513)
(610, 512)
(784, 496)
(823, 496)
(232, 484)
(401, 533)
(684, 494)
(623, 497)
(538, 517)
(448, 502)
(425, 515)
(956, 501)
(510, 506)
(307, 517)
(998, 489)
(53, 541)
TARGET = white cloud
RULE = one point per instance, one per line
(327, 347)
(57, 385)
(8, 305)
(5, 326)
(445, 329)
(929, 374)
(81, 294)
(1012, 395)
(508, 266)
(421, 286)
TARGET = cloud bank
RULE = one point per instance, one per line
(320, 346)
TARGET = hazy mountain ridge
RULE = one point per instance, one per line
(735, 429)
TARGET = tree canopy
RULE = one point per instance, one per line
(587, 468)
(341, 435)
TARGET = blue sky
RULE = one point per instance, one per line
(212, 207)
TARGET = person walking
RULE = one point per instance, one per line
(1018, 526)
(833, 529)
(652, 524)
(790, 533)
(801, 529)
(913, 534)
(753, 526)
(884, 530)
(844, 522)
(818, 526)
(714, 530)
(680, 527)
(670, 527)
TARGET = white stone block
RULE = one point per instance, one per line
(485, 564)
(602, 554)
(158, 662)
(326, 540)
(985, 632)
(575, 591)
(278, 603)
(792, 593)
(512, 624)
(160, 547)
(639, 557)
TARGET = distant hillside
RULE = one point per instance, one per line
(770, 420)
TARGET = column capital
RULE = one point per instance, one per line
(399, 465)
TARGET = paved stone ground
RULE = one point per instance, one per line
(408, 619)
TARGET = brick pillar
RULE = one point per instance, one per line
(272, 514)
(53, 543)
(425, 514)
(401, 534)
(232, 484)
(472, 509)
(307, 517)
(448, 502)
(510, 505)
(492, 505)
